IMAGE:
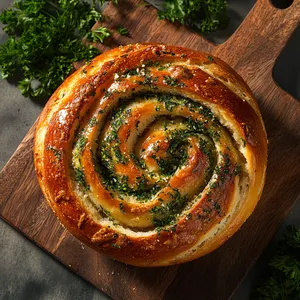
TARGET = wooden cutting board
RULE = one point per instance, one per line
(252, 51)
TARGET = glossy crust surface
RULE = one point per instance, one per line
(152, 154)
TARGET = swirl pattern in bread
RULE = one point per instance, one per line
(152, 154)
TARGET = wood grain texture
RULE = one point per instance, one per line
(252, 51)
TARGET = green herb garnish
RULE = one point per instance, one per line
(164, 215)
(92, 122)
(284, 280)
(237, 170)
(81, 143)
(80, 178)
(210, 58)
(173, 81)
(244, 142)
(122, 208)
(45, 39)
(98, 35)
(57, 153)
(202, 15)
(123, 30)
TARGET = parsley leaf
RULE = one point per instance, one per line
(123, 30)
(98, 35)
(202, 15)
(284, 280)
(45, 39)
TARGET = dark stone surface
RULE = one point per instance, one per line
(27, 272)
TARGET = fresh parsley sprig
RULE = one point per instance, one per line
(98, 35)
(202, 15)
(123, 30)
(284, 280)
(45, 39)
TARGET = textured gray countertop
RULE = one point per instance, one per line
(27, 272)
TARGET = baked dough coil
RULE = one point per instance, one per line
(152, 154)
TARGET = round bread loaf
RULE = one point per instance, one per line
(152, 154)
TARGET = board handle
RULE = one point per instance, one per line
(255, 46)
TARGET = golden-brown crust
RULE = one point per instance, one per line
(91, 93)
